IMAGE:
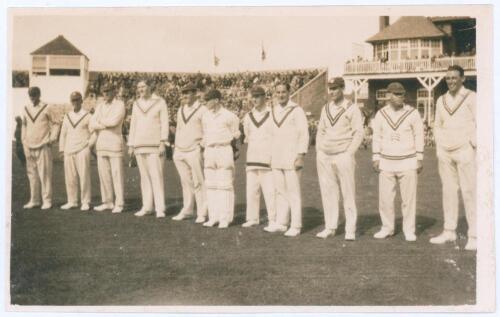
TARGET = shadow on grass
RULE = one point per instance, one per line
(240, 215)
(367, 223)
(423, 223)
(312, 218)
(174, 205)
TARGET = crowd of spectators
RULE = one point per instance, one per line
(234, 86)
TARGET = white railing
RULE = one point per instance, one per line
(409, 66)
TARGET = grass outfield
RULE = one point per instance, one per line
(90, 258)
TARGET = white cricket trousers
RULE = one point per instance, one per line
(77, 176)
(288, 197)
(387, 193)
(111, 179)
(219, 176)
(335, 170)
(257, 180)
(39, 170)
(152, 185)
(190, 168)
(458, 171)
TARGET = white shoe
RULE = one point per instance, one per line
(269, 226)
(250, 223)
(350, 236)
(117, 210)
(200, 219)
(180, 216)
(67, 206)
(160, 214)
(142, 213)
(275, 228)
(383, 233)
(326, 233)
(31, 205)
(445, 236)
(410, 237)
(292, 232)
(85, 207)
(103, 207)
(46, 206)
(210, 223)
(223, 225)
(471, 244)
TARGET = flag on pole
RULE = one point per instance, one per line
(216, 59)
(263, 53)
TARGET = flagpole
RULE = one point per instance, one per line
(262, 54)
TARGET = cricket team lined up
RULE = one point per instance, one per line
(277, 136)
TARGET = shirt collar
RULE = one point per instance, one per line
(39, 105)
(289, 104)
(343, 104)
(147, 103)
(390, 108)
(193, 106)
(218, 112)
(266, 109)
(461, 92)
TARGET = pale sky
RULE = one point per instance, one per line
(174, 43)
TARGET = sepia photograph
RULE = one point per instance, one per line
(250, 159)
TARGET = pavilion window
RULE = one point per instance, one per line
(381, 94)
(423, 93)
(394, 51)
(435, 48)
(39, 66)
(64, 65)
(414, 49)
(380, 51)
(404, 49)
(424, 48)
(385, 47)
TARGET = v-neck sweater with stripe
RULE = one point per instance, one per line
(148, 125)
(340, 128)
(75, 134)
(455, 123)
(39, 126)
(189, 131)
(398, 138)
(258, 130)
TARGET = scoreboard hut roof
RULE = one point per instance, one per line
(409, 27)
(58, 46)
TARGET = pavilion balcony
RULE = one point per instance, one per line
(468, 63)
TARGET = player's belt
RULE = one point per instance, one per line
(258, 164)
(222, 144)
(398, 157)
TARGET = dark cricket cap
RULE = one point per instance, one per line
(213, 94)
(337, 82)
(257, 91)
(396, 87)
(33, 91)
(189, 87)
